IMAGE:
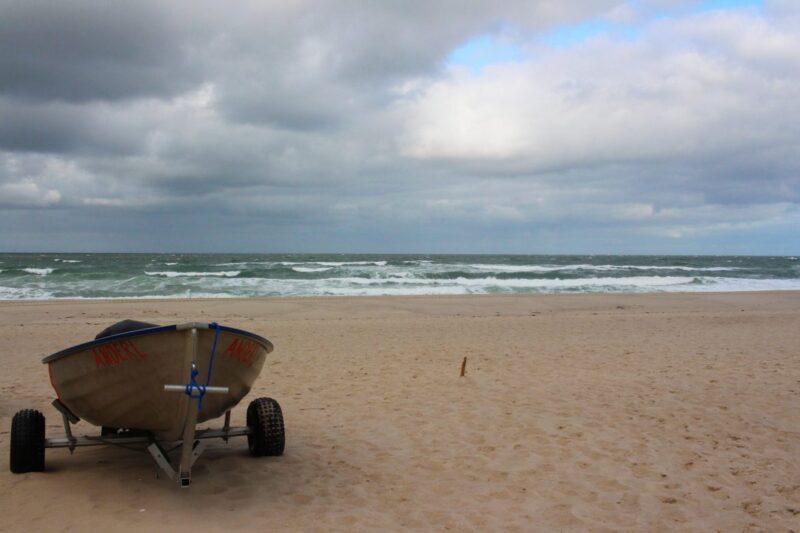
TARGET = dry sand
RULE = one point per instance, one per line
(601, 412)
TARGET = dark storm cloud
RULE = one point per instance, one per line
(30, 128)
(301, 105)
(91, 50)
(59, 127)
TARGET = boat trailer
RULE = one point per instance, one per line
(264, 429)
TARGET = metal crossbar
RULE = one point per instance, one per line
(63, 442)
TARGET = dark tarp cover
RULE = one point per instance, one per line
(124, 326)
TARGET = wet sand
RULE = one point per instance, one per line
(598, 412)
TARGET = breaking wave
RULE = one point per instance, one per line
(173, 274)
(38, 271)
(598, 268)
(28, 276)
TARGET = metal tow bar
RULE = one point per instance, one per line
(190, 447)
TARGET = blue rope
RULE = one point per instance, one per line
(213, 351)
(193, 384)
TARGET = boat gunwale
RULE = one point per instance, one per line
(157, 329)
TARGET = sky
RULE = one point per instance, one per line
(531, 126)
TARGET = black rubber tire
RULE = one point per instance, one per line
(265, 420)
(27, 442)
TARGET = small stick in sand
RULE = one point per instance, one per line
(463, 366)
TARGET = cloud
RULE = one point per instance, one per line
(68, 128)
(26, 193)
(92, 50)
(722, 114)
(317, 125)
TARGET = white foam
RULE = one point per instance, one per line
(309, 269)
(173, 274)
(636, 281)
(664, 267)
(720, 284)
(405, 284)
(227, 287)
(526, 268)
(347, 263)
(38, 271)
(170, 264)
(243, 264)
(24, 293)
(586, 266)
(57, 260)
(395, 291)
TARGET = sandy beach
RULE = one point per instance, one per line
(577, 412)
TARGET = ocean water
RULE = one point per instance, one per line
(50, 276)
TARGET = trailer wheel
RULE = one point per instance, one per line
(27, 441)
(265, 420)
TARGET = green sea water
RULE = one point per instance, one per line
(49, 276)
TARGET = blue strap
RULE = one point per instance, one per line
(193, 384)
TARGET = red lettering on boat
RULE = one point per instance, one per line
(243, 351)
(116, 353)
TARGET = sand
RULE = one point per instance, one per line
(577, 412)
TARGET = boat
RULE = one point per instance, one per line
(150, 384)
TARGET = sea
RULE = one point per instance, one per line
(47, 276)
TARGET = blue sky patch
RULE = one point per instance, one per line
(711, 5)
(566, 36)
(482, 51)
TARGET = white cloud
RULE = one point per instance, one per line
(26, 193)
(104, 202)
(671, 96)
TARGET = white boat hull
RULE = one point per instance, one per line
(118, 381)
